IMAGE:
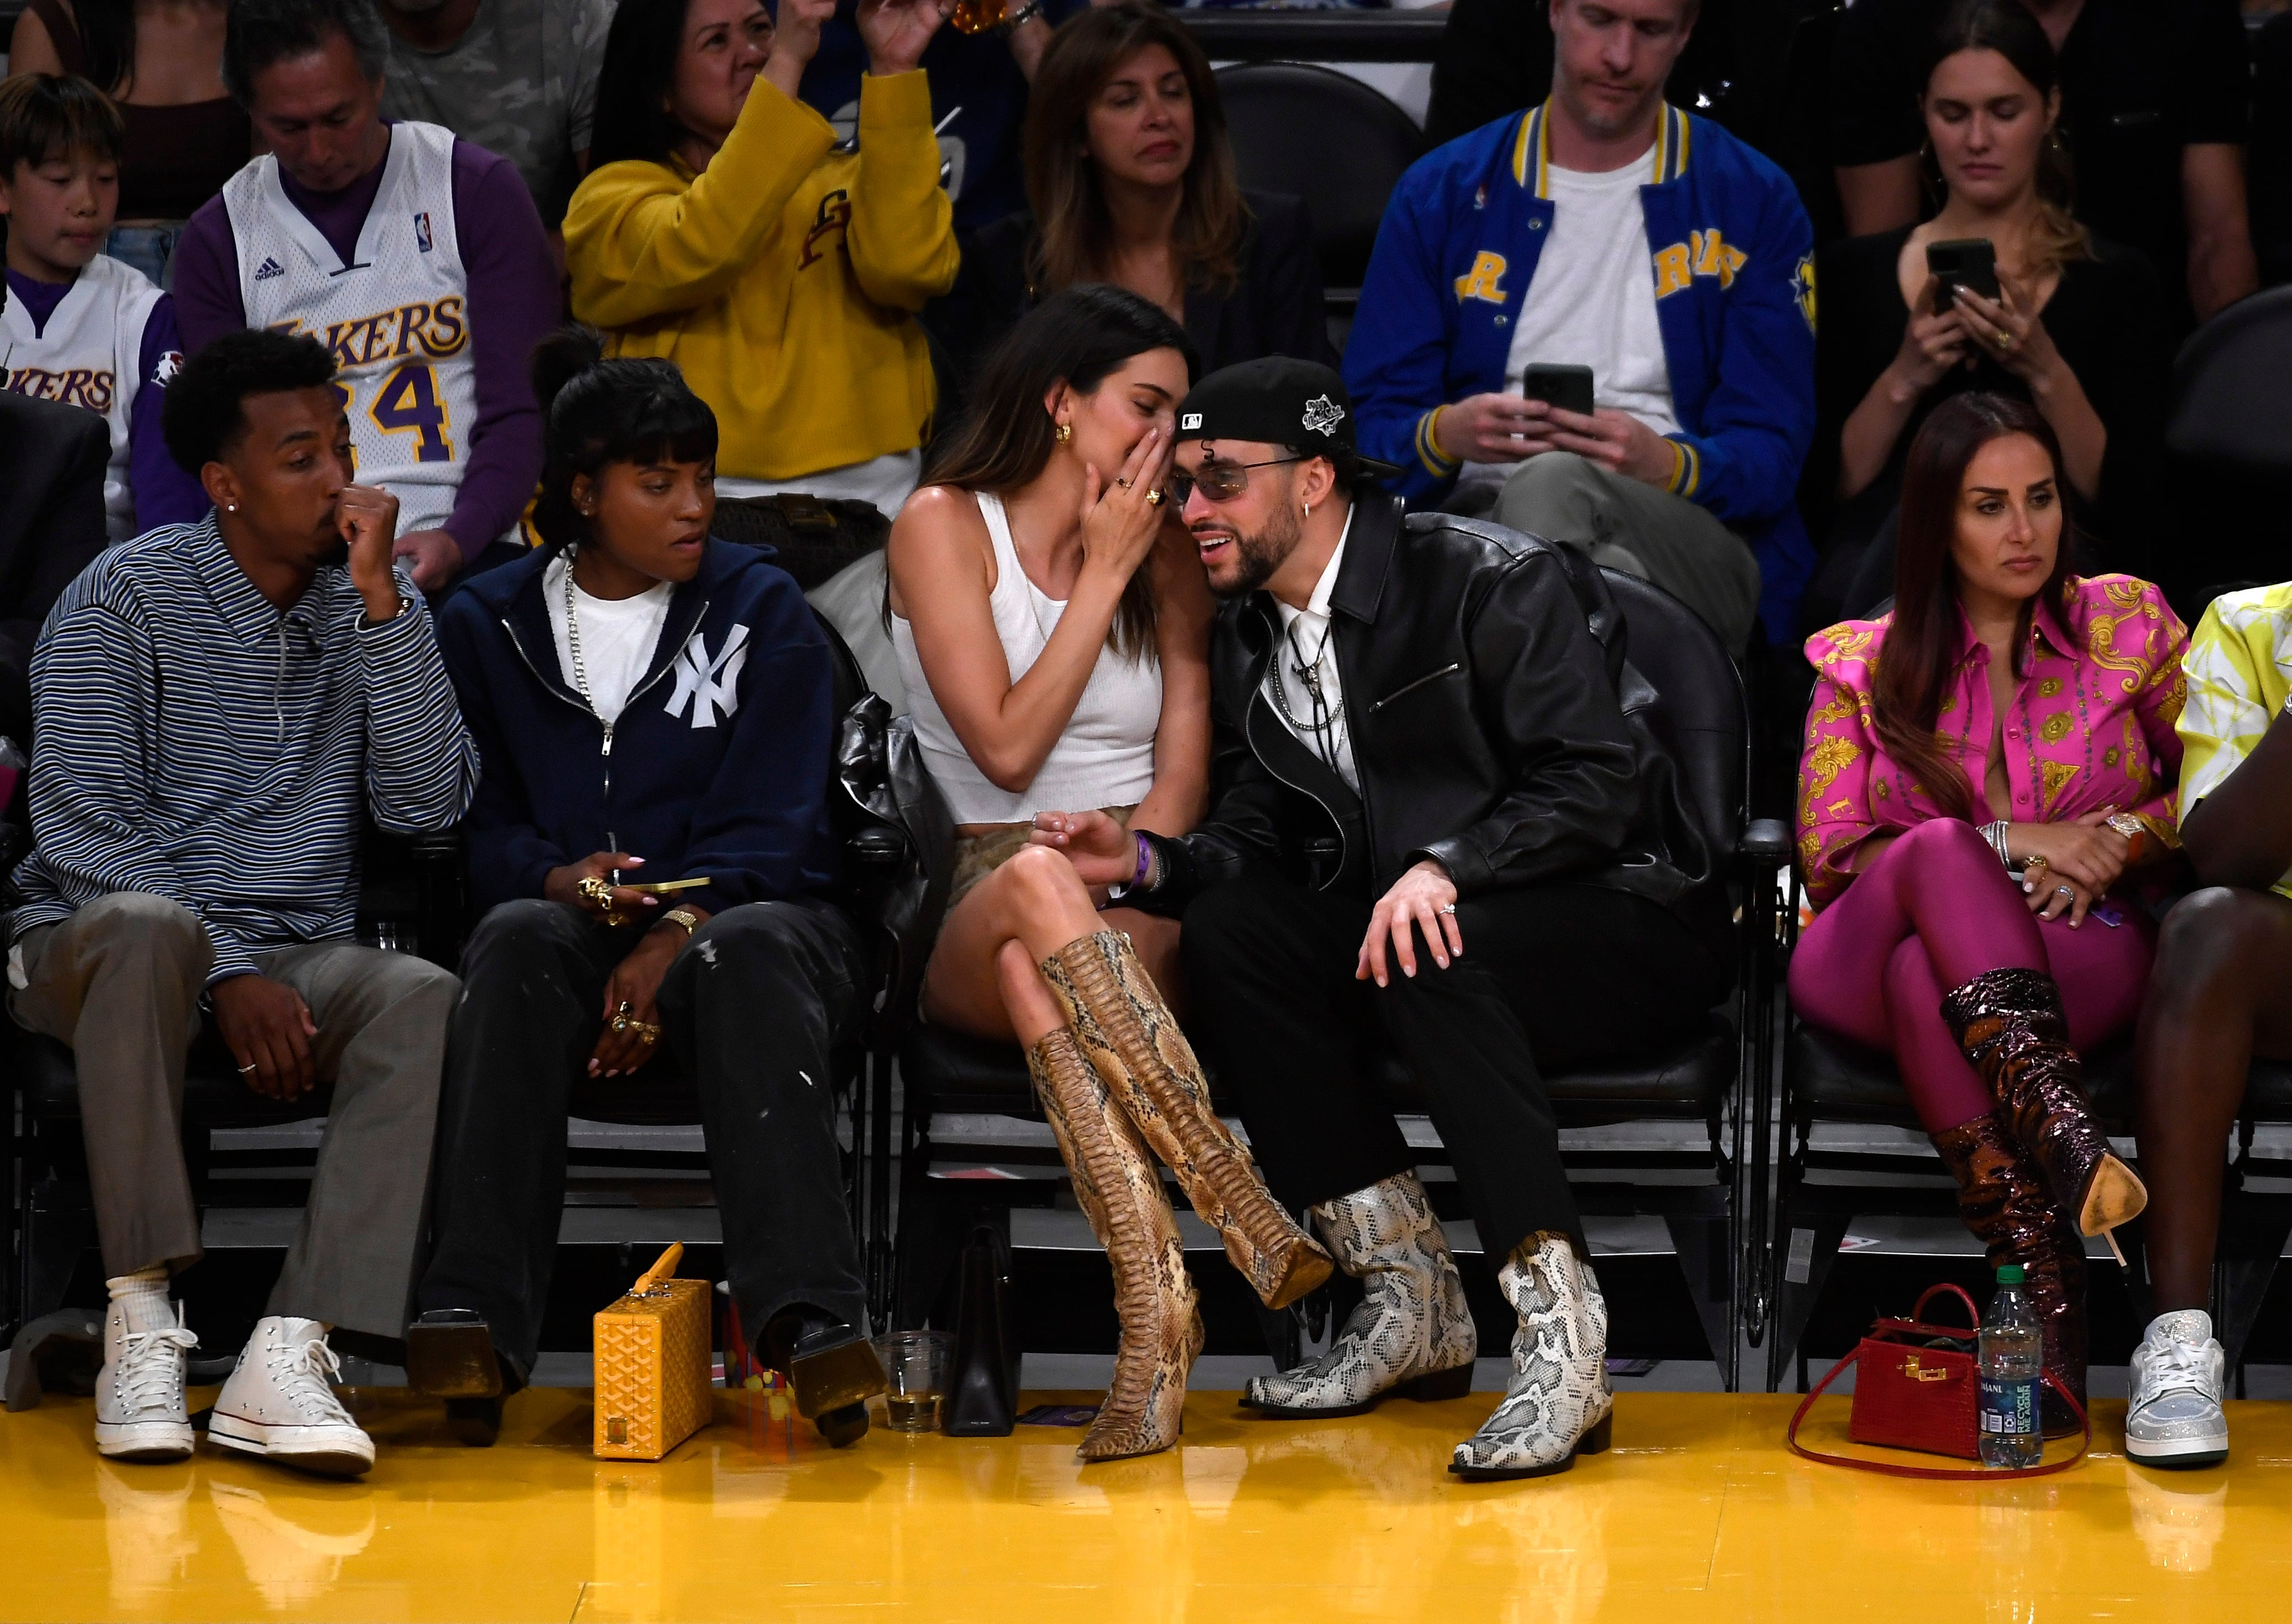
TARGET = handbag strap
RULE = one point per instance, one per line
(1972, 1314)
(1946, 1474)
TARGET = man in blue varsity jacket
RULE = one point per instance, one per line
(1610, 229)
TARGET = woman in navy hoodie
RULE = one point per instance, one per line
(651, 704)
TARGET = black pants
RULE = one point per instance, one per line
(1557, 976)
(754, 1007)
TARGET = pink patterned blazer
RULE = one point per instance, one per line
(2090, 725)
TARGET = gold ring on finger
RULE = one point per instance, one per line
(1122, 484)
(1154, 497)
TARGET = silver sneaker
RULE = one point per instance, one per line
(1558, 1404)
(1413, 1331)
(2173, 1417)
(280, 1402)
(139, 1397)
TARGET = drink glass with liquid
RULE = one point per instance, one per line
(914, 1370)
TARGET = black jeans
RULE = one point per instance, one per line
(1558, 976)
(754, 1007)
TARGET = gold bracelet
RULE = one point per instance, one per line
(684, 916)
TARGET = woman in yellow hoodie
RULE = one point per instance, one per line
(724, 227)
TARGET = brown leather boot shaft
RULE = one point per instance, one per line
(1121, 1194)
(1129, 1035)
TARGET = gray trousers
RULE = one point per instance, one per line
(1629, 525)
(120, 982)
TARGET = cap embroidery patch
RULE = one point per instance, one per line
(1192, 420)
(1322, 415)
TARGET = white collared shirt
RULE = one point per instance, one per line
(1306, 655)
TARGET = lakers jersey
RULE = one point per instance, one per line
(396, 317)
(90, 355)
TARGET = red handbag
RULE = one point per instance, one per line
(1910, 1393)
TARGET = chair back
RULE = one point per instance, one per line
(1286, 120)
(1698, 710)
(2228, 387)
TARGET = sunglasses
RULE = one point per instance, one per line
(1220, 481)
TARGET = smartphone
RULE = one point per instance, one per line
(1969, 262)
(1569, 388)
(661, 888)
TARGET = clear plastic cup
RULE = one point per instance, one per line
(914, 1364)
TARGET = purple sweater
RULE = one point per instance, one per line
(163, 493)
(513, 303)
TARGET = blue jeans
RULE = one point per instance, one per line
(149, 248)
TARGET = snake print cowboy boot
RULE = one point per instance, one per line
(1120, 1193)
(2010, 1026)
(1413, 1331)
(1557, 1404)
(1129, 1035)
(2006, 1206)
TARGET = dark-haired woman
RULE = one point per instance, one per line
(652, 706)
(1973, 807)
(1130, 180)
(161, 61)
(723, 227)
(2075, 329)
(1053, 630)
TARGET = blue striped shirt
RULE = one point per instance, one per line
(195, 743)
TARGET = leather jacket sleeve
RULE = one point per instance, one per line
(1244, 826)
(1543, 691)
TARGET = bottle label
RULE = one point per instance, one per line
(2009, 1405)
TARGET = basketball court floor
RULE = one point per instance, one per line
(1697, 1512)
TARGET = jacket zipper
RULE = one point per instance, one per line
(1430, 676)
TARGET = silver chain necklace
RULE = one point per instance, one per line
(1326, 724)
(573, 640)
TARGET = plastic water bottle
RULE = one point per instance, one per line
(2013, 1357)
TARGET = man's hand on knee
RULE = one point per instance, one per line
(1619, 442)
(1493, 429)
(269, 1029)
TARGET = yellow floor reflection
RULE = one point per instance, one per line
(1697, 1512)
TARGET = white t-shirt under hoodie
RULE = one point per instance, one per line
(618, 635)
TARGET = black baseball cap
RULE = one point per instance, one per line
(1279, 400)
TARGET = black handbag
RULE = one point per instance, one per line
(815, 540)
(982, 1388)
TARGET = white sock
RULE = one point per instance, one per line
(142, 1297)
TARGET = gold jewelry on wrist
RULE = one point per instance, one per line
(684, 916)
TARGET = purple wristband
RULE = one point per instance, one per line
(1145, 859)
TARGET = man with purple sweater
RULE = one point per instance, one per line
(417, 259)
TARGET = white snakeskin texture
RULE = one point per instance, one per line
(1558, 1387)
(1412, 1321)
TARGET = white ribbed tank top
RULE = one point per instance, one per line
(1105, 758)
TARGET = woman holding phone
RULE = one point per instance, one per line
(2073, 328)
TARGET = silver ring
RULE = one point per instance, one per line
(247, 1071)
(1448, 907)
(2063, 891)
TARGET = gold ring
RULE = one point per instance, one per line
(1122, 484)
(2006, 342)
(1154, 497)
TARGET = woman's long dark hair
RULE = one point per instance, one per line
(632, 119)
(598, 411)
(107, 42)
(1074, 231)
(1005, 437)
(2007, 27)
(1922, 646)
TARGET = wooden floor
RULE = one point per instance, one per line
(1697, 1512)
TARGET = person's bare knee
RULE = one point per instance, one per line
(1049, 904)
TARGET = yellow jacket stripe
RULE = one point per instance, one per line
(1532, 153)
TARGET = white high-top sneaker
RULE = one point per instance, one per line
(139, 1397)
(280, 1402)
(1558, 1404)
(2172, 1417)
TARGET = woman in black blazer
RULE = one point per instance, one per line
(1131, 182)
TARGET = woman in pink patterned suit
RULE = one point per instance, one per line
(1986, 768)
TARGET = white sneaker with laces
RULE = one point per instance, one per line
(2174, 1416)
(280, 1402)
(139, 1397)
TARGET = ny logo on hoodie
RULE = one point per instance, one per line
(707, 684)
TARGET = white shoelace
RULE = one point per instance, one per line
(151, 1375)
(309, 1368)
(2179, 1367)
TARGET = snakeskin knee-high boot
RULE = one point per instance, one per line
(1558, 1404)
(2004, 1202)
(1413, 1332)
(1119, 1017)
(2010, 1026)
(1121, 1193)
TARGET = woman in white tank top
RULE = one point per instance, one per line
(1052, 625)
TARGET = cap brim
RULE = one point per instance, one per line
(1376, 469)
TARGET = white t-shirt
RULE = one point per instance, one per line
(1306, 642)
(618, 635)
(1592, 302)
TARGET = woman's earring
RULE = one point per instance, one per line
(1066, 432)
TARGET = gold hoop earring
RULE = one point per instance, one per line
(1066, 432)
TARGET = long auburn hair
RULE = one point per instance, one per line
(2007, 27)
(1005, 437)
(1915, 663)
(1074, 229)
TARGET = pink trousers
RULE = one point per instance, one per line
(1934, 911)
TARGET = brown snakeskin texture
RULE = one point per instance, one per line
(1121, 1194)
(2010, 1026)
(2004, 1201)
(1116, 1014)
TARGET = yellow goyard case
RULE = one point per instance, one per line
(652, 1351)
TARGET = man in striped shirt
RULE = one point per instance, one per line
(217, 705)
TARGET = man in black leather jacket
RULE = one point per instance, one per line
(1437, 832)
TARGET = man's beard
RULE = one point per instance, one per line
(1260, 555)
(333, 553)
